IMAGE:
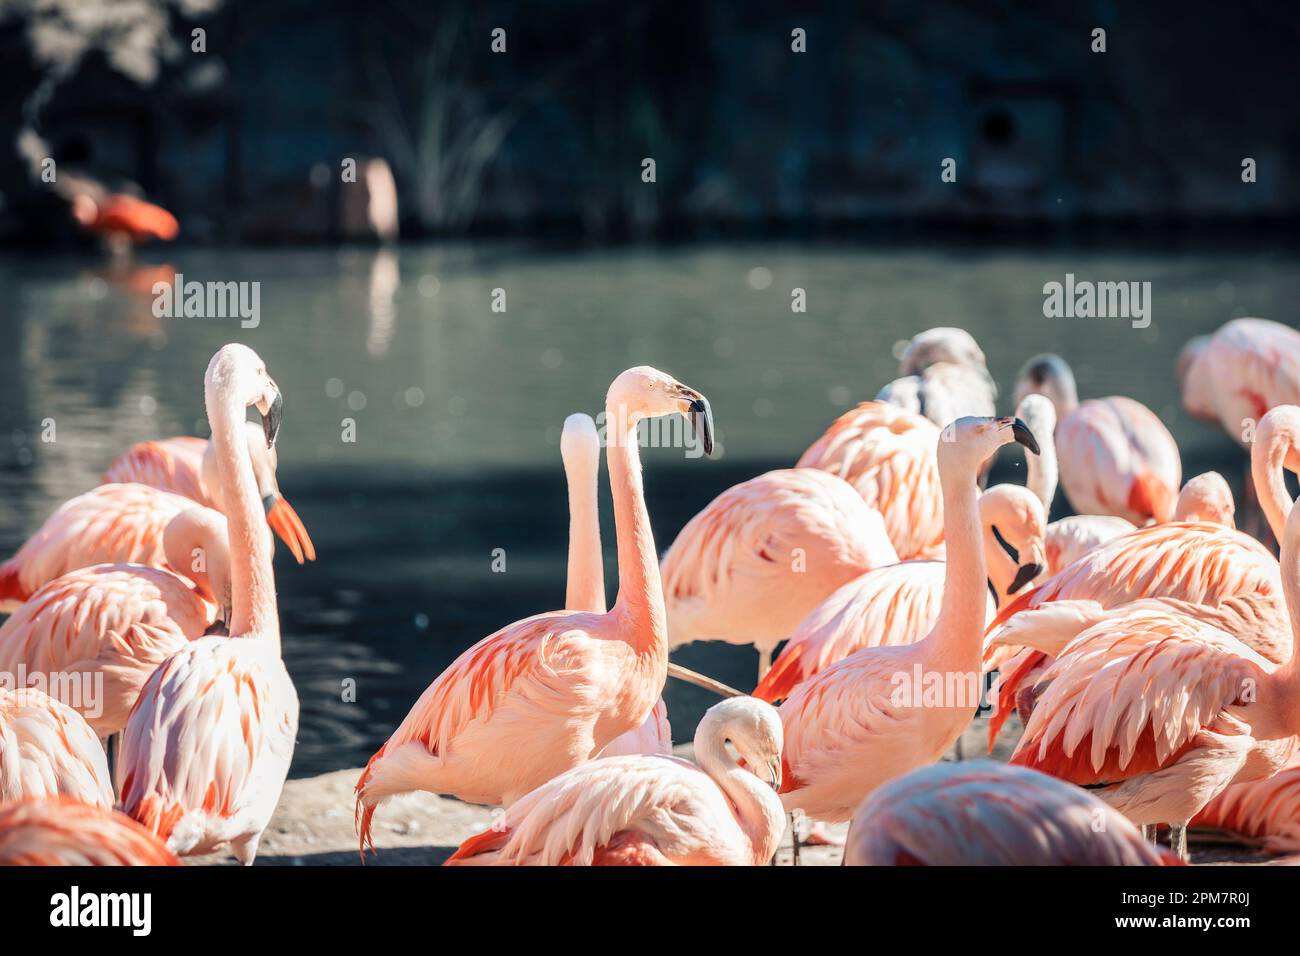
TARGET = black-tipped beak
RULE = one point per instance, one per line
(1023, 435)
(1025, 574)
(271, 420)
(701, 419)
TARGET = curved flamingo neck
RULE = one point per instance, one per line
(585, 589)
(252, 582)
(1289, 673)
(1267, 457)
(756, 806)
(959, 630)
(640, 591)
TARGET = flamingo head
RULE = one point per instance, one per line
(967, 443)
(1015, 531)
(645, 392)
(580, 443)
(197, 546)
(1206, 497)
(1049, 375)
(237, 373)
(753, 729)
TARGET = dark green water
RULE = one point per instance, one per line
(458, 408)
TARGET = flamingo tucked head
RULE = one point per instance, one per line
(941, 344)
(1016, 528)
(645, 392)
(1206, 497)
(1049, 375)
(753, 729)
(197, 545)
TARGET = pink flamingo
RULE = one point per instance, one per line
(759, 557)
(887, 455)
(1117, 457)
(207, 747)
(187, 466)
(654, 810)
(1162, 712)
(122, 219)
(1233, 377)
(47, 749)
(63, 831)
(877, 714)
(114, 524)
(980, 813)
(585, 591)
(899, 604)
(566, 682)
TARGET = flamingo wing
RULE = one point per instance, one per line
(116, 621)
(47, 749)
(889, 456)
(766, 551)
(63, 831)
(169, 464)
(112, 524)
(1131, 694)
(211, 729)
(896, 604)
(979, 813)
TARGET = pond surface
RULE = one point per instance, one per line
(457, 407)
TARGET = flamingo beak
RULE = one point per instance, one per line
(1020, 431)
(1024, 574)
(774, 768)
(284, 521)
(272, 418)
(700, 416)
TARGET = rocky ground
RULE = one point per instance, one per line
(313, 826)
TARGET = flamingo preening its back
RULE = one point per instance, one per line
(207, 747)
(654, 810)
(980, 813)
(548, 693)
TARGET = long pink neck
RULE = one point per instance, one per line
(640, 591)
(958, 633)
(1289, 673)
(252, 582)
(1267, 458)
(586, 585)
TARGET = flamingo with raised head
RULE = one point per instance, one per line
(585, 589)
(1116, 457)
(187, 466)
(980, 813)
(654, 810)
(207, 747)
(568, 683)
(760, 556)
(887, 454)
(63, 831)
(48, 749)
(899, 604)
(878, 713)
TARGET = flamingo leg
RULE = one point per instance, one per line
(764, 662)
(1178, 841)
(1149, 832)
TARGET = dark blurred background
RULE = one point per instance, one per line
(244, 141)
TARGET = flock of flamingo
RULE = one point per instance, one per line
(1144, 644)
